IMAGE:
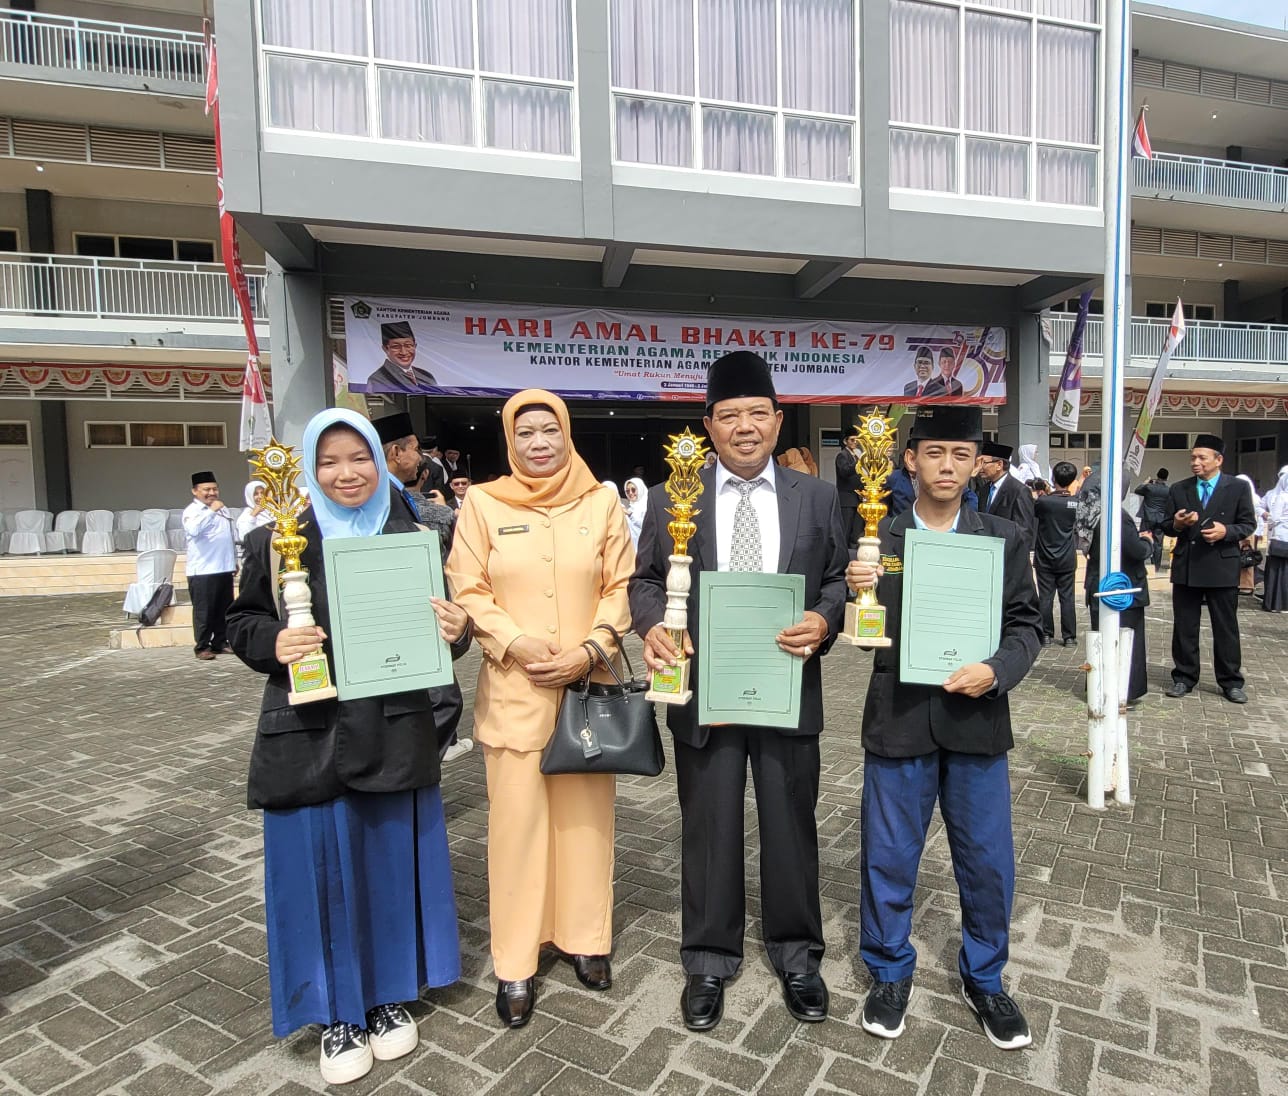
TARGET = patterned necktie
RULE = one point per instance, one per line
(744, 550)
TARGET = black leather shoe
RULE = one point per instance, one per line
(1177, 688)
(806, 996)
(1070, 642)
(1047, 641)
(702, 1002)
(515, 1000)
(1235, 695)
(593, 971)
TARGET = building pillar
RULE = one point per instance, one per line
(1025, 418)
(301, 351)
(57, 460)
(1234, 153)
(1230, 300)
(40, 222)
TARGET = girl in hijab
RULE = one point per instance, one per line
(636, 507)
(357, 884)
(254, 515)
(541, 558)
(1248, 575)
(1028, 468)
(1275, 509)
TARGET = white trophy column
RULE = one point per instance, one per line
(297, 599)
(678, 584)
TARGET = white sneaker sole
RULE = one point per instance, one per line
(342, 1071)
(457, 751)
(880, 1032)
(1019, 1042)
(397, 1045)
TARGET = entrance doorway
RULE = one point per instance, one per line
(17, 471)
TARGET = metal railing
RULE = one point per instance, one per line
(1224, 179)
(69, 285)
(1244, 344)
(90, 45)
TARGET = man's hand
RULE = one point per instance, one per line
(1145, 534)
(452, 619)
(216, 505)
(861, 576)
(1183, 519)
(294, 643)
(659, 648)
(563, 669)
(805, 637)
(437, 496)
(1213, 533)
(974, 679)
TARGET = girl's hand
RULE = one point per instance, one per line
(452, 619)
(294, 643)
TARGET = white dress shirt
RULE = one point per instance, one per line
(765, 500)
(209, 533)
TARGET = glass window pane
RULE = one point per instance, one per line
(653, 45)
(328, 26)
(1010, 5)
(1084, 10)
(101, 247)
(997, 169)
(195, 251)
(1067, 176)
(737, 140)
(997, 74)
(157, 434)
(737, 44)
(1066, 74)
(923, 63)
(145, 247)
(206, 434)
(105, 434)
(422, 106)
(527, 118)
(526, 37)
(320, 96)
(818, 150)
(653, 132)
(436, 33)
(818, 55)
(923, 161)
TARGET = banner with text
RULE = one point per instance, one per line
(471, 349)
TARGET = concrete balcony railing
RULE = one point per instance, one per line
(123, 289)
(1171, 175)
(63, 49)
(1233, 349)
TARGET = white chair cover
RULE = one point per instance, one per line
(152, 568)
(99, 539)
(71, 524)
(32, 530)
(127, 530)
(152, 531)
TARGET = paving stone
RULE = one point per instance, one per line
(42, 1068)
(167, 1080)
(1177, 1036)
(850, 1076)
(1232, 1075)
(76, 1027)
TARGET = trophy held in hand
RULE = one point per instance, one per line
(865, 618)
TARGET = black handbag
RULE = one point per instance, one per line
(605, 728)
(1278, 549)
(1250, 557)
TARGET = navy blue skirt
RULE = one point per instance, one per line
(359, 906)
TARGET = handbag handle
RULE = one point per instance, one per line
(621, 646)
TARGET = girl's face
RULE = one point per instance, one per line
(632, 492)
(346, 470)
(258, 496)
(540, 447)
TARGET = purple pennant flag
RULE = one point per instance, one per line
(1068, 396)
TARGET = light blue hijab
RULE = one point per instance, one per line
(334, 519)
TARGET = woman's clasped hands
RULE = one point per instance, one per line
(546, 664)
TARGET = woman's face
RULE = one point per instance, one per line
(632, 492)
(539, 443)
(258, 496)
(346, 471)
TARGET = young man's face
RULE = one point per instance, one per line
(942, 468)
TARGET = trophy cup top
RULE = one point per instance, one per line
(686, 453)
(277, 467)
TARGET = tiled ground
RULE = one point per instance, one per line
(1148, 946)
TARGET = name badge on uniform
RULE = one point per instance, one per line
(892, 565)
(505, 530)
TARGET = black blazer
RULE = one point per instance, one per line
(912, 720)
(314, 753)
(936, 387)
(1195, 562)
(1014, 502)
(848, 480)
(812, 544)
(1135, 551)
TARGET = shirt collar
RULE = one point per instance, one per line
(723, 475)
(916, 517)
(1211, 482)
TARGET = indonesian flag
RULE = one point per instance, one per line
(1140, 146)
(1145, 420)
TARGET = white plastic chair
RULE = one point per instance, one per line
(71, 524)
(32, 533)
(6, 530)
(152, 531)
(174, 534)
(127, 530)
(152, 568)
(99, 539)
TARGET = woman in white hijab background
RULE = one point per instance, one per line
(636, 506)
(254, 515)
(1248, 575)
(1027, 469)
(1274, 508)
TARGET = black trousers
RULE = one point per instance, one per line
(712, 783)
(1223, 614)
(1133, 618)
(211, 596)
(1156, 528)
(1049, 584)
(852, 526)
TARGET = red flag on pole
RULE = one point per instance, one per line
(1140, 146)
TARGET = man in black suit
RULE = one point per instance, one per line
(848, 484)
(923, 365)
(947, 742)
(459, 484)
(1001, 494)
(946, 384)
(1208, 514)
(1055, 558)
(1153, 512)
(755, 516)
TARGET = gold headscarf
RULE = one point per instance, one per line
(567, 484)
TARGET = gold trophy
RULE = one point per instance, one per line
(277, 468)
(686, 455)
(865, 618)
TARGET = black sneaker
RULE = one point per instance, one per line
(1000, 1017)
(346, 1055)
(886, 1007)
(391, 1031)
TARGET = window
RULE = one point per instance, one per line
(14, 434)
(756, 87)
(996, 103)
(155, 435)
(1056, 441)
(151, 248)
(479, 73)
(1162, 310)
(8, 239)
(1176, 441)
(1095, 307)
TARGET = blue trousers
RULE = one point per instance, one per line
(974, 794)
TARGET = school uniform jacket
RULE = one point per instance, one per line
(1195, 562)
(811, 543)
(904, 720)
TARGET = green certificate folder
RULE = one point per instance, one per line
(743, 677)
(383, 628)
(952, 604)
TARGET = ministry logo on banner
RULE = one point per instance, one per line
(1068, 397)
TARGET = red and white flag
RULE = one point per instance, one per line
(1140, 146)
(1145, 420)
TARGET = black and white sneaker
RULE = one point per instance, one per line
(1000, 1017)
(346, 1055)
(886, 1007)
(392, 1032)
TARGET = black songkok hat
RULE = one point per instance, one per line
(948, 424)
(199, 478)
(399, 330)
(996, 449)
(1210, 441)
(737, 376)
(393, 427)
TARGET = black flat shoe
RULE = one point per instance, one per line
(593, 971)
(1235, 695)
(702, 1002)
(1177, 688)
(515, 1001)
(806, 996)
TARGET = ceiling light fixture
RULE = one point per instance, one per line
(40, 167)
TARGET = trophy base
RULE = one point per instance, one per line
(671, 685)
(865, 626)
(311, 680)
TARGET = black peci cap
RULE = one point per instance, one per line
(996, 449)
(199, 478)
(739, 375)
(393, 427)
(1210, 441)
(399, 330)
(946, 423)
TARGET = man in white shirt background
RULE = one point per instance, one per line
(211, 564)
